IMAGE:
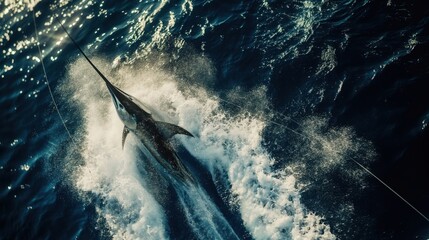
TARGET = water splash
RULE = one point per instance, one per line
(267, 199)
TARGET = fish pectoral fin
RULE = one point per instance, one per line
(124, 135)
(168, 130)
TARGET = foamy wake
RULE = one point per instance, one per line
(268, 200)
(127, 209)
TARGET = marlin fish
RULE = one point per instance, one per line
(137, 118)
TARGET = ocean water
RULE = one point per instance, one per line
(281, 96)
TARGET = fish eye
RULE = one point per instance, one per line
(120, 106)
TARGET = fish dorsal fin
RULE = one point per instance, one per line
(124, 135)
(168, 130)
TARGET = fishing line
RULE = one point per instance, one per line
(76, 146)
(269, 120)
(388, 187)
(322, 141)
(226, 101)
(47, 81)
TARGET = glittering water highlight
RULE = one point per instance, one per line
(280, 97)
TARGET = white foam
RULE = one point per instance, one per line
(329, 150)
(108, 172)
(268, 200)
(205, 219)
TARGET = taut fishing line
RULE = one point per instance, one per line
(47, 81)
(221, 99)
(324, 141)
(368, 171)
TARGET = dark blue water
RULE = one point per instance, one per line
(281, 96)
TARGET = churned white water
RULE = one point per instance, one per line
(267, 199)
